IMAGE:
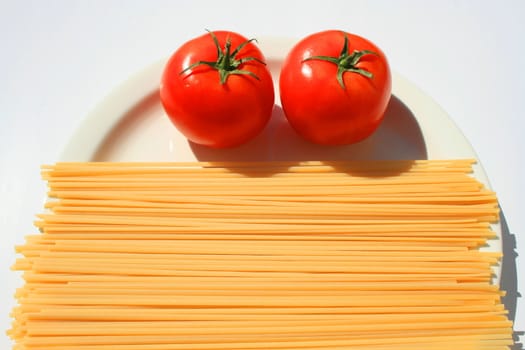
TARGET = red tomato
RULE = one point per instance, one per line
(335, 87)
(217, 90)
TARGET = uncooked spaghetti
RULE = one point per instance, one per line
(262, 255)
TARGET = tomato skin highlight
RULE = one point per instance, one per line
(210, 113)
(314, 102)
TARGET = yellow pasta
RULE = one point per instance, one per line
(311, 255)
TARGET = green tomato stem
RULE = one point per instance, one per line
(227, 62)
(346, 62)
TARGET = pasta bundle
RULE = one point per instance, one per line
(276, 255)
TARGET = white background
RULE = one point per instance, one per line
(58, 59)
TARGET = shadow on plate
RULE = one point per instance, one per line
(144, 132)
(399, 137)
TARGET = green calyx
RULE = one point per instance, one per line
(346, 62)
(227, 63)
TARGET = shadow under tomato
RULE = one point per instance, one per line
(399, 137)
(262, 148)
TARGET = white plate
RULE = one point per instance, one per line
(130, 125)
